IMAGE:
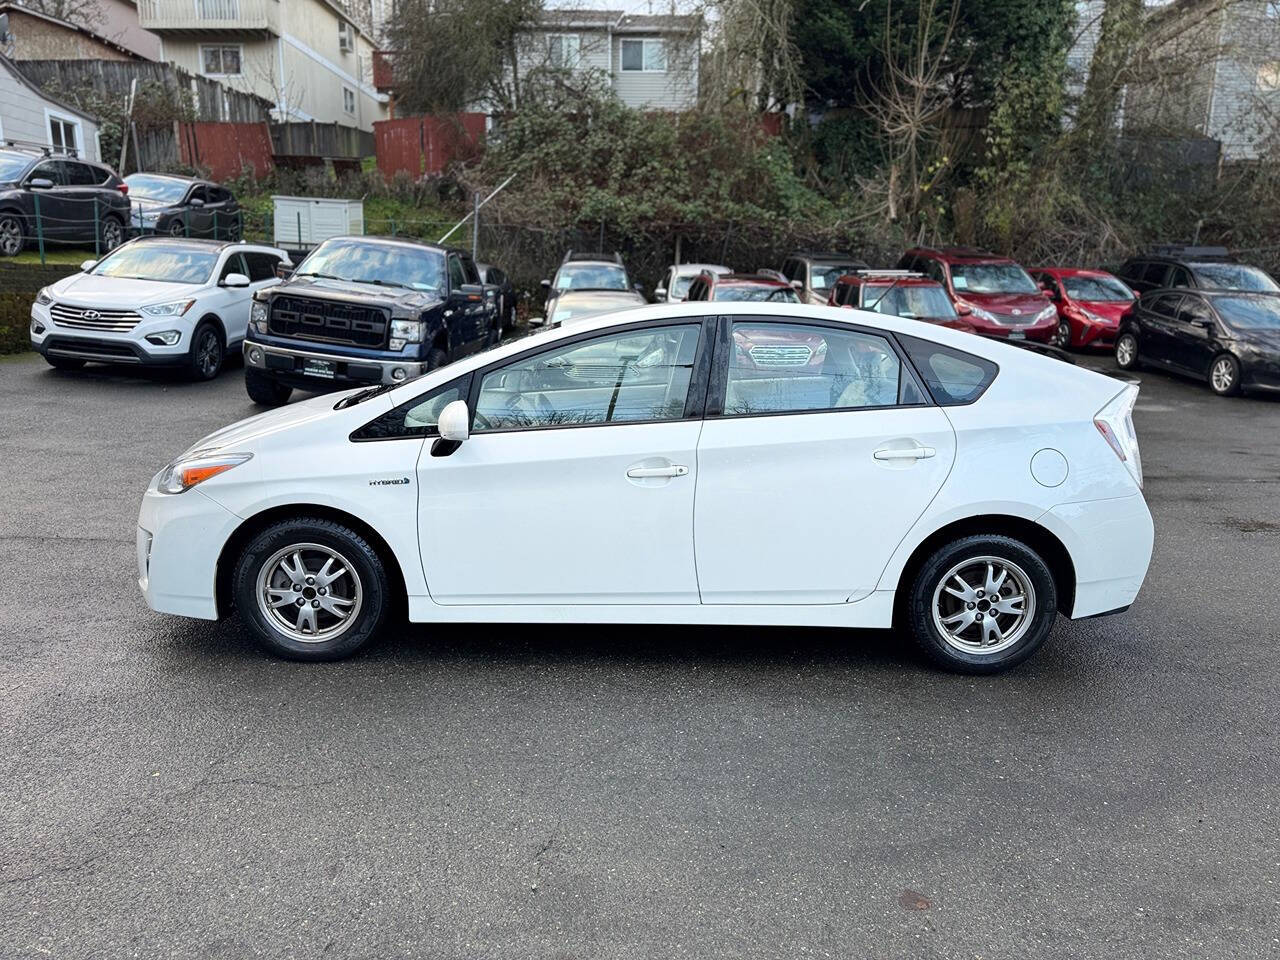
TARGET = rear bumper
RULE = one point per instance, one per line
(288, 366)
(1110, 544)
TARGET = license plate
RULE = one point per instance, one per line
(1015, 335)
(318, 368)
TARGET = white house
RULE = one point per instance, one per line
(29, 117)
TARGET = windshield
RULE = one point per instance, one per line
(164, 189)
(390, 264)
(757, 294)
(991, 278)
(1097, 289)
(1250, 313)
(908, 302)
(170, 262)
(680, 289)
(1234, 276)
(12, 165)
(592, 276)
(823, 276)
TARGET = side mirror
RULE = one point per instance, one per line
(470, 291)
(536, 320)
(455, 422)
(963, 309)
(1048, 294)
(284, 270)
(659, 293)
(1202, 323)
(196, 202)
(87, 265)
(235, 280)
(546, 284)
(798, 284)
(40, 183)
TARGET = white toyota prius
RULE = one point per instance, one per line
(718, 463)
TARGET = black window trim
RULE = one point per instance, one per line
(720, 368)
(695, 402)
(428, 432)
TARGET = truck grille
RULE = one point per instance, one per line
(86, 318)
(331, 322)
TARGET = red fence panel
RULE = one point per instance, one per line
(225, 148)
(423, 146)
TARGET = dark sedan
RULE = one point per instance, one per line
(1229, 338)
(177, 206)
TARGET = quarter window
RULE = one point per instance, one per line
(953, 376)
(634, 377)
(789, 368)
(417, 417)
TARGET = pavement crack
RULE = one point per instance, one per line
(68, 868)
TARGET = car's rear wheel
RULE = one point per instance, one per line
(982, 604)
(207, 351)
(1224, 375)
(10, 234)
(311, 589)
(110, 233)
(177, 228)
(1127, 351)
(265, 391)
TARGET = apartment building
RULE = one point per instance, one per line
(311, 58)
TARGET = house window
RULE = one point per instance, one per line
(220, 60)
(644, 56)
(62, 134)
(348, 100)
(564, 50)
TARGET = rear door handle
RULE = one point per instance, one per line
(910, 453)
(646, 473)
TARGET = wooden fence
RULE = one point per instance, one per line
(424, 146)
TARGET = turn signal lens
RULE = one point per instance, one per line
(184, 474)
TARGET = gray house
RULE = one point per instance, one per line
(31, 118)
(650, 62)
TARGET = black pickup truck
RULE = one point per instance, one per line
(366, 310)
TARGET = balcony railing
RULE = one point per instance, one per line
(209, 15)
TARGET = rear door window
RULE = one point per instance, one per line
(262, 266)
(1165, 305)
(952, 376)
(1154, 273)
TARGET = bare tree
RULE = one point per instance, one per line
(752, 58)
(85, 13)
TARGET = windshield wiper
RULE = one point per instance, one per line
(323, 276)
(363, 395)
(384, 283)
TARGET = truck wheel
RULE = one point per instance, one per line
(264, 391)
(436, 358)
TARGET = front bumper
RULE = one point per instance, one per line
(103, 346)
(179, 539)
(289, 365)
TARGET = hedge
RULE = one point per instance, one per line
(19, 284)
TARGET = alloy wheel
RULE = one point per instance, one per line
(1062, 336)
(1126, 350)
(209, 353)
(309, 592)
(177, 229)
(1223, 375)
(112, 234)
(10, 236)
(983, 605)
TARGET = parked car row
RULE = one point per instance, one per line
(55, 198)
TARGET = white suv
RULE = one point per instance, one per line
(157, 301)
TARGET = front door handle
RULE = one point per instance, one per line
(647, 473)
(910, 453)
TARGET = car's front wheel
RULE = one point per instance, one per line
(982, 604)
(264, 391)
(207, 351)
(311, 589)
(1224, 375)
(1127, 351)
(1062, 335)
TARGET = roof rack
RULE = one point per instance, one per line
(571, 255)
(44, 148)
(1185, 250)
(902, 274)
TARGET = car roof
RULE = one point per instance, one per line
(1073, 272)
(600, 296)
(889, 277)
(400, 241)
(168, 176)
(693, 269)
(961, 254)
(155, 239)
(749, 280)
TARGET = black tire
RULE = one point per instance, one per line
(962, 653)
(208, 351)
(1126, 348)
(365, 589)
(110, 233)
(1062, 335)
(264, 391)
(177, 228)
(1224, 375)
(436, 358)
(65, 363)
(12, 234)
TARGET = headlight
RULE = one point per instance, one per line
(175, 308)
(185, 473)
(43, 297)
(410, 331)
(1094, 318)
(979, 312)
(258, 316)
(1048, 313)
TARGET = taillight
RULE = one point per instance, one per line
(1115, 423)
(123, 188)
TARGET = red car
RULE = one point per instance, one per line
(898, 293)
(993, 293)
(1090, 304)
(760, 287)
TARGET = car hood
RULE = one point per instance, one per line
(355, 293)
(245, 435)
(90, 290)
(1029, 303)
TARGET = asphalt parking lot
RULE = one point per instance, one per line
(167, 791)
